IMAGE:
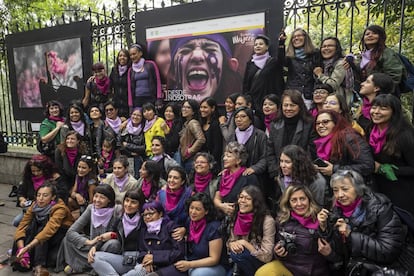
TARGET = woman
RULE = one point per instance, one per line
(391, 141)
(41, 230)
(149, 182)
(112, 127)
(50, 128)
(263, 73)
(232, 179)
(376, 57)
(245, 100)
(320, 93)
(192, 137)
(127, 230)
(85, 183)
(332, 70)
(119, 82)
(120, 180)
(97, 88)
(252, 232)
(158, 250)
(296, 168)
(301, 58)
(270, 108)
(205, 243)
(75, 120)
(36, 171)
(67, 156)
(160, 52)
(78, 247)
(96, 129)
(204, 180)
(144, 83)
(153, 126)
(227, 125)
(361, 228)
(340, 146)
(172, 117)
(174, 195)
(133, 141)
(294, 126)
(338, 104)
(297, 240)
(211, 128)
(165, 162)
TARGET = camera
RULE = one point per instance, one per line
(287, 240)
(27, 203)
(129, 260)
(333, 218)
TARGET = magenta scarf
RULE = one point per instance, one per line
(314, 112)
(101, 216)
(366, 107)
(169, 123)
(307, 222)
(129, 223)
(38, 181)
(172, 198)
(146, 188)
(149, 124)
(228, 180)
(243, 224)
(122, 69)
(121, 182)
(134, 130)
(349, 210)
(260, 60)
(201, 181)
(244, 135)
(115, 124)
(154, 226)
(377, 138)
(107, 160)
(79, 127)
(269, 119)
(103, 85)
(56, 119)
(324, 147)
(71, 155)
(196, 230)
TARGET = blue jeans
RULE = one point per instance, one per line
(137, 165)
(246, 263)
(217, 270)
(111, 264)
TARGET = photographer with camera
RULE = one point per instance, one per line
(363, 231)
(297, 239)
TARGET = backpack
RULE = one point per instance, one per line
(407, 80)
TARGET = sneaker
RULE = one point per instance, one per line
(13, 192)
(68, 270)
(2, 203)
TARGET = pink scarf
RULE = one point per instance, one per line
(146, 188)
(244, 135)
(115, 124)
(172, 198)
(79, 127)
(314, 112)
(56, 119)
(129, 223)
(201, 181)
(38, 181)
(260, 60)
(101, 216)
(196, 230)
(243, 224)
(169, 123)
(324, 147)
(349, 210)
(103, 85)
(122, 69)
(228, 179)
(120, 182)
(149, 124)
(107, 160)
(269, 119)
(307, 222)
(71, 154)
(377, 138)
(366, 107)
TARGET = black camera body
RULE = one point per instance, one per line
(287, 240)
(129, 260)
(333, 218)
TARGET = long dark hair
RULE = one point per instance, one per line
(43, 163)
(207, 205)
(379, 48)
(296, 97)
(211, 102)
(303, 170)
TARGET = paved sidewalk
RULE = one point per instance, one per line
(7, 213)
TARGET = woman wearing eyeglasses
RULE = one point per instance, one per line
(320, 93)
(203, 179)
(340, 146)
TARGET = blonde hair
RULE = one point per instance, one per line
(308, 45)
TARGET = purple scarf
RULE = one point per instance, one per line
(115, 124)
(38, 181)
(366, 58)
(103, 85)
(377, 138)
(260, 60)
(107, 160)
(120, 182)
(132, 129)
(82, 186)
(307, 222)
(324, 147)
(79, 127)
(366, 107)
(201, 181)
(287, 180)
(56, 119)
(243, 224)
(149, 124)
(269, 119)
(172, 198)
(122, 69)
(244, 135)
(101, 216)
(71, 155)
(146, 188)
(138, 66)
(196, 230)
(348, 210)
(228, 179)
(154, 226)
(130, 223)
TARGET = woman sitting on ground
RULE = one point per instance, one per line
(149, 182)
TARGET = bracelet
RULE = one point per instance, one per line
(113, 235)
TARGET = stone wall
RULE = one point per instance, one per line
(12, 164)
